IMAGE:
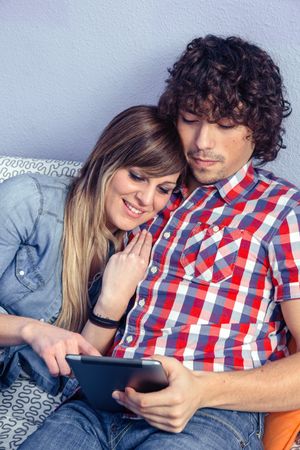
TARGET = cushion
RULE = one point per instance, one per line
(11, 166)
(281, 428)
(23, 407)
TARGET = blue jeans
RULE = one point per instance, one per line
(75, 426)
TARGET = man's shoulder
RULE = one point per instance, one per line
(278, 186)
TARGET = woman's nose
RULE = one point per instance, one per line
(145, 196)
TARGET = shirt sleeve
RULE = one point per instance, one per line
(20, 203)
(284, 254)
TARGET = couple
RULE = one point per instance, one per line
(221, 289)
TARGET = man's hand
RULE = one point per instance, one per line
(171, 408)
(53, 343)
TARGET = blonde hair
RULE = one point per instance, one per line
(137, 137)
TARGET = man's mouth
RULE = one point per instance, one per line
(203, 162)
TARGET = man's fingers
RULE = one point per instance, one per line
(154, 416)
(149, 402)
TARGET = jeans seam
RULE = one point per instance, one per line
(260, 430)
(114, 441)
(241, 440)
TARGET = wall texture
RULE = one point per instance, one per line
(68, 66)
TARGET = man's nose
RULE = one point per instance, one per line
(204, 136)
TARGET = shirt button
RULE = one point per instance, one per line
(167, 234)
(129, 339)
(142, 302)
(21, 273)
(153, 269)
(216, 228)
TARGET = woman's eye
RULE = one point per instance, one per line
(165, 191)
(134, 176)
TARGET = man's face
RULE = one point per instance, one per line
(214, 151)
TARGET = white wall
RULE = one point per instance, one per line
(68, 66)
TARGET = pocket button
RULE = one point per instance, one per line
(215, 228)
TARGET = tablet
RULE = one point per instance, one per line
(99, 376)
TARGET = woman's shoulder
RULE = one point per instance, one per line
(30, 183)
(33, 190)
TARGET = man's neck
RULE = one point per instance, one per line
(193, 184)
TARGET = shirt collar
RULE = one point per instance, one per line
(237, 185)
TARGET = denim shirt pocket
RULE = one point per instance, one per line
(27, 272)
(210, 253)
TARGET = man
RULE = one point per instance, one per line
(222, 288)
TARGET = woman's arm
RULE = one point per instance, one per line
(51, 343)
(122, 274)
(20, 204)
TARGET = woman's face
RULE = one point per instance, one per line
(133, 197)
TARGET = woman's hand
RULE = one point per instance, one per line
(53, 343)
(122, 274)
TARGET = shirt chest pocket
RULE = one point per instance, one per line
(210, 253)
(27, 271)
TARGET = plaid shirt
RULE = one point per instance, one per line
(223, 260)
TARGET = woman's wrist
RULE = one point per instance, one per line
(103, 308)
(101, 321)
(28, 329)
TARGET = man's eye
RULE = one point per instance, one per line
(226, 126)
(186, 120)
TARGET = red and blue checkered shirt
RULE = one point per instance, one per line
(224, 259)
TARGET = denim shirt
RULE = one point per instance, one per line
(31, 226)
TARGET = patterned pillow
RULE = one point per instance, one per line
(23, 406)
(11, 166)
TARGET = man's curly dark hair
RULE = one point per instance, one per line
(230, 78)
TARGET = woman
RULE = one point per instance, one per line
(57, 235)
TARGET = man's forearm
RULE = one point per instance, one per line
(273, 387)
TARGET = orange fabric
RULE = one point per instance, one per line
(281, 428)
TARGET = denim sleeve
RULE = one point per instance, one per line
(20, 206)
